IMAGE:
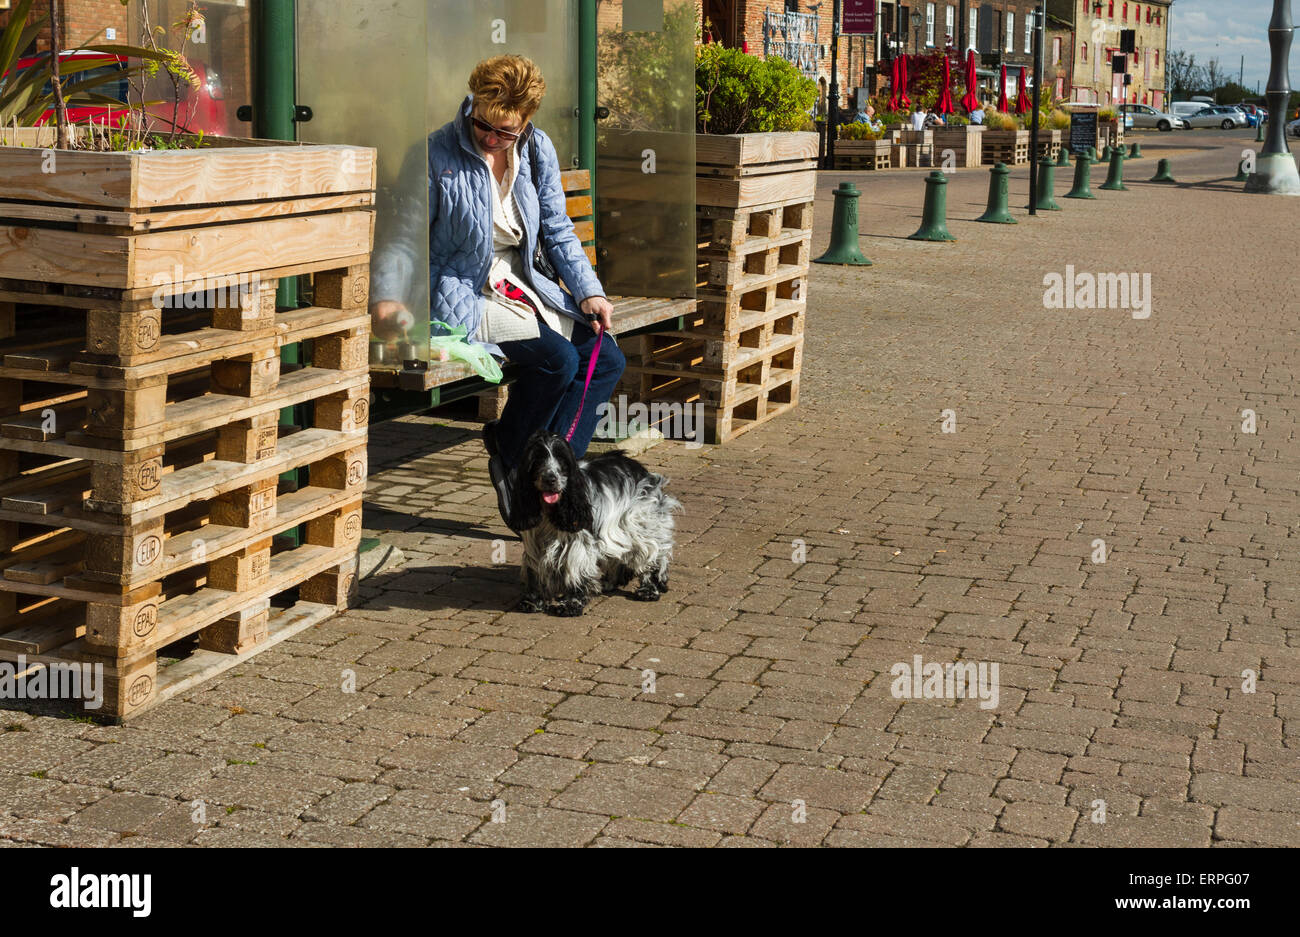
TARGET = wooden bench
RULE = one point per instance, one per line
(455, 379)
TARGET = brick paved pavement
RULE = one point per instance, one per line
(1119, 682)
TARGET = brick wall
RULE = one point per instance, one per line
(82, 19)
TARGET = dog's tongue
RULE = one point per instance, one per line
(550, 497)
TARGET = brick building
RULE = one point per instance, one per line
(1096, 26)
(794, 30)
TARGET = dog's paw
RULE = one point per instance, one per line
(646, 592)
(530, 604)
(568, 608)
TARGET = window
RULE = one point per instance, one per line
(950, 23)
(1126, 20)
(929, 24)
(1029, 33)
(792, 6)
(1056, 51)
(1110, 11)
(1148, 14)
(974, 27)
(1157, 60)
(1011, 31)
(1083, 53)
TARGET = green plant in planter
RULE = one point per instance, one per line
(1059, 120)
(857, 131)
(997, 120)
(1107, 113)
(739, 93)
(24, 102)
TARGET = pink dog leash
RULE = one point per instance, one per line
(510, 291)
(591, 369)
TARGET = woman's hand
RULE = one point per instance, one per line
(602, 309)
(390, 319)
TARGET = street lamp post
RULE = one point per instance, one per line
(833, 112)
(1275, 169)
(916, 28)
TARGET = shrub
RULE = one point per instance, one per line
(739, 93)
(1107, 113)
(1059, 120)
(997, 120)
(857, 131)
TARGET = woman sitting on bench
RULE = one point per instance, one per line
(495, 204)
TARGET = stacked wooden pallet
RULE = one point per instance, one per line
(965, 142)
(738, 357)
(1049, 144)
(861, 155)
(1006, 146)
(142, 515)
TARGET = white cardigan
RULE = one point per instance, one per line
(507, 320)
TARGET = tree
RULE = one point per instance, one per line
(1215, 76)
(1185, 76)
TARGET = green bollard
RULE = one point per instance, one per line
(1163, 173)
(1135, 151)
(934, 220)
(1092, 154)
(1242, 175)
(1115, 178)
(1259, 133)
(1046, 187)
(1063, 157)
(999, 191)
(1105, 153)
(1082, 179)
(844, 229)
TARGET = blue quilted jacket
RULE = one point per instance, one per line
(460, 231)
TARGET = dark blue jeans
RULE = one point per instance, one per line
(548, 390)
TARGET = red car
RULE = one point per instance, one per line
(202, 109)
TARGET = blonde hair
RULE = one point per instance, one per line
(507, 86)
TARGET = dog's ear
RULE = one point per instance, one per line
(526, 503)
(574, 511)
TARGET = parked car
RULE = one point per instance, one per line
(1145, 116)
(1255, 112)
(1293, 128)
(1229, 118)
(1186, 108)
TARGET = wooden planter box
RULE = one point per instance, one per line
(1109, 131)
(1049, 143)
(966, 142)
(1006, 146)
(738, 357)
(862, 154)
(137, 306)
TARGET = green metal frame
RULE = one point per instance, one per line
(274, 49)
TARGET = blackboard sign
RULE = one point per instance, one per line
(1083, 130)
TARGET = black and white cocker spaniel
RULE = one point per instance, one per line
(589, 526)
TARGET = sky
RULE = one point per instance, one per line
(1229, 29)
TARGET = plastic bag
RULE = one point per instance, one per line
(453, 345)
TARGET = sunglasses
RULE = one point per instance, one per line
(488, 128)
